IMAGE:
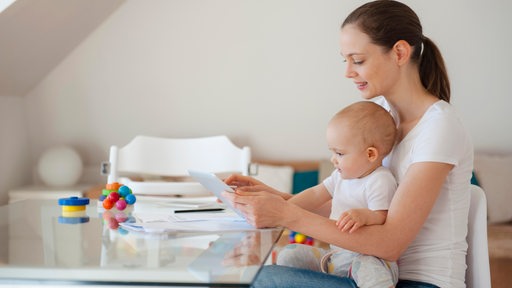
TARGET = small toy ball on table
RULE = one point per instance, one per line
(118, 196)
(299, 238)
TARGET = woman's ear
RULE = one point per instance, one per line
(372, 153)
(402, 51)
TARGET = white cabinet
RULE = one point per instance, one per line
(45, 192)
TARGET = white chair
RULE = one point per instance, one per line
(164, 158)
(478, 273)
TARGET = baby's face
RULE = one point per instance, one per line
(349, 155)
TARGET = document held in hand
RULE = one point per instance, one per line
(211, 182)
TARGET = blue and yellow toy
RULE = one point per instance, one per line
(73, 210)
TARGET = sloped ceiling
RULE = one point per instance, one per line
(35, 35)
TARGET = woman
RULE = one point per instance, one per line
(387, 54)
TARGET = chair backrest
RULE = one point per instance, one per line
(478, 272)
(174, 156)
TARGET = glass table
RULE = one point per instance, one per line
(40, 243)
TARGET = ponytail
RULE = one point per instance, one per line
(433, 73)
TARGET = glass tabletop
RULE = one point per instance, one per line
(41, 243)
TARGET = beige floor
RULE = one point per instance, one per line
(501, 272)
(500, 253)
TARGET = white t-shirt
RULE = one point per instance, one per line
(438, 253)
(373, 191)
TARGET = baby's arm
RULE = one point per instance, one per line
(312, 199)
(351, 220)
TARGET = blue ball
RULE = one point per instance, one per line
(124, 191)
(130, 199)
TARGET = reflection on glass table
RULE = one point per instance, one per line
(38, 244)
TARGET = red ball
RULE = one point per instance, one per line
(113, 196)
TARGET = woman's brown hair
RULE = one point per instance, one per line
(388, 21)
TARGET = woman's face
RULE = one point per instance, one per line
(373, 71)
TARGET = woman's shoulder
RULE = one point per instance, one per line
(442, 109)
(441, 135)
(443, 116)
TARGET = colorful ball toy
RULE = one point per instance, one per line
(118, 196)
(299, 238)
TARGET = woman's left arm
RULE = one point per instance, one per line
(410, 207)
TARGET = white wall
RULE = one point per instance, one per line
(266, 73)
(14, 146)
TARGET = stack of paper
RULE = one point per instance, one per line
(225, 220)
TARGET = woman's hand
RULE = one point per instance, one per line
(260, 208)
(250, 184)
(242, 181)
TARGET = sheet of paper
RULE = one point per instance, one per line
(196, 226)
(186, 202)
(207, 216)
(196, 221)
(167, 206)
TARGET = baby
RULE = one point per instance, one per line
(361, 189)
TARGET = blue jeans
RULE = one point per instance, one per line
(283, 277)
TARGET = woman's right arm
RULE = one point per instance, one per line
(312, 199)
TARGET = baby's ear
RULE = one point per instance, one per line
(372, 153)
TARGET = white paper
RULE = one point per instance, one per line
(196, 226)
(207, 216)
(195, 221)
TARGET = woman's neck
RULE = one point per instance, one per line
(411, 108)
(410, 112)
(410, 100)
(409, 97)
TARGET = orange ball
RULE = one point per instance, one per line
(108, 204)
(113, 186)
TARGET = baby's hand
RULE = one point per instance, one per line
(351, 220)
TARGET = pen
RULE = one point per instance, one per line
(199, 210)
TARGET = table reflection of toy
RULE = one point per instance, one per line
(118, 196)
(299, 238)
(73, 210)
(112, 220)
